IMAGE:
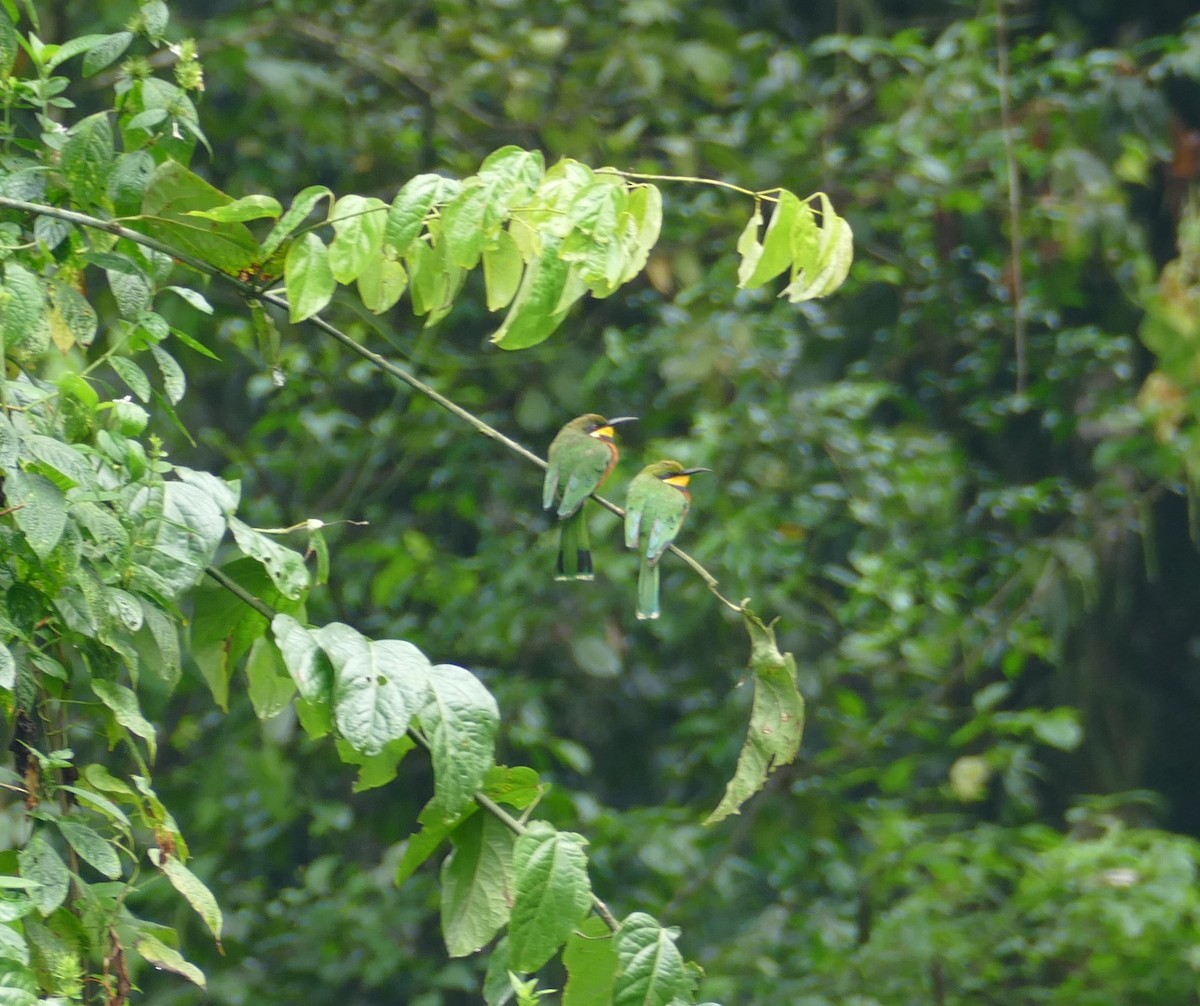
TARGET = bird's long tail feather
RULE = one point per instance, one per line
(647, 590)
(574, 549)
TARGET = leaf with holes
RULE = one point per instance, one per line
(285, 567)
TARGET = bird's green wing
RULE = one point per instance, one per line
(584, 469)
(669, 511)
(550, 483)
(635, 507)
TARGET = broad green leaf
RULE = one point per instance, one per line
(24, 308)
(427, 277)
(546, 215)
(590, 958)
(412, 204)
(192, 888)
(38, 507)
(286, 568)
(74, 313)
(375, 770)
(651, 968)
(106, 52)
(463, 223)
(63, 464)
(460, 718)
(10, 444)
(91, 847)
(127, 711)
(552, 894)
(833, 269)
(476, 881)
(99, 803)
(8, 668)
(154, 14)
(270, 688)
(128, 180)
(502, 269)
(71, 48)
(774, 255)
(167, 959)
(172, 191)
(132, 375)
(13, 946)
(174, 382)
(225, 493)
(304, 203)
(308, 277)
(306, 662)
(87, 158)
(39, 862)
(9, 46)
(497, 980)
(377, 686)
(254, 207)
(18, 985)
(776, 720)
(195, 298)
(182, 527)
(162, 629)
(358, 223)
(645, 209)
(532, 315)
(436, 826)
(382, 283)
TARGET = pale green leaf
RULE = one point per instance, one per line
(308, 278)
(25, 307)
(775, 254)
(39, 862)
(776, 720)
(590, 958)
(132, 375)
(304, 203)
(87, 158)
(253, 207)
(476, 881)
(358, 224)
(460, 719)
(552, 894)
(193, 297)
(270, 688)
(74, 312)
(502, 269)
(182, 527)
(9, 46)
(127, 711)
(651, 971)
(91, 847)
(436, 826)
(192, 888)
(377, 686)
(13, 946)
(106, 52)
(18, 985)
(8, 668)
(645, 209)
(38, 507)
(168, 959)
(375, 770)
(408, 211)
(174, 382)
(285, 567)
(382, 283)
(533, 314)
(10, 444)
(306, 662)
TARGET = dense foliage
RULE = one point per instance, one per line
(961, 483)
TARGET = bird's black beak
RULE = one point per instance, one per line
(692, 471)
(621, 419)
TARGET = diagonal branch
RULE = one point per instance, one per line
(251, 292)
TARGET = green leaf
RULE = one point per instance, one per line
(126, 710)
(193, 890)
(472, 219)
(375, 770)
(822, 258)
(412, 204)
(167, 959)
(358, 224)
(285, 567)
(8, 668)
(12, 947)
(645, 213)
(271, 690)
(128, 180)
(774, 255)
(10, 444)
(182, 527)
(196, 299)
(476, 881)
(552, 894)
(18, 985)
(38, 507)
(253, 207)
(776, 720)
(154, 14)
(502, 269)
(63, 464)
(533, 315)
(9, 47)
(91, 847)
(304, 203)
(162, 629)
(39, 862)
(308, 277)
(651, 968)
(132, 375)
(174, 382)
(590, 958)
(87, 158)
(25, 307)
(460, 718)
(382, 283)
(132, 290)
(71, 48)
(377, 686)
(74, 313)
(497, 983)
(106, 52)
(436, 826)
(306, 662)
(519, 787)
(172, 192)
(99, 803)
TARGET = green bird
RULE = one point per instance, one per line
(655, 507)
(581, 457)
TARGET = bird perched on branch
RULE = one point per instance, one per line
(657, 503)
(581, 457)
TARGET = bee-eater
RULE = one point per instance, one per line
(655, 507)
(581, 457)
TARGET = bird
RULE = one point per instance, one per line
(581, 457)
(655, 506)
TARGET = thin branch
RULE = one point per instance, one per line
(251, 292)
(1014, 197)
